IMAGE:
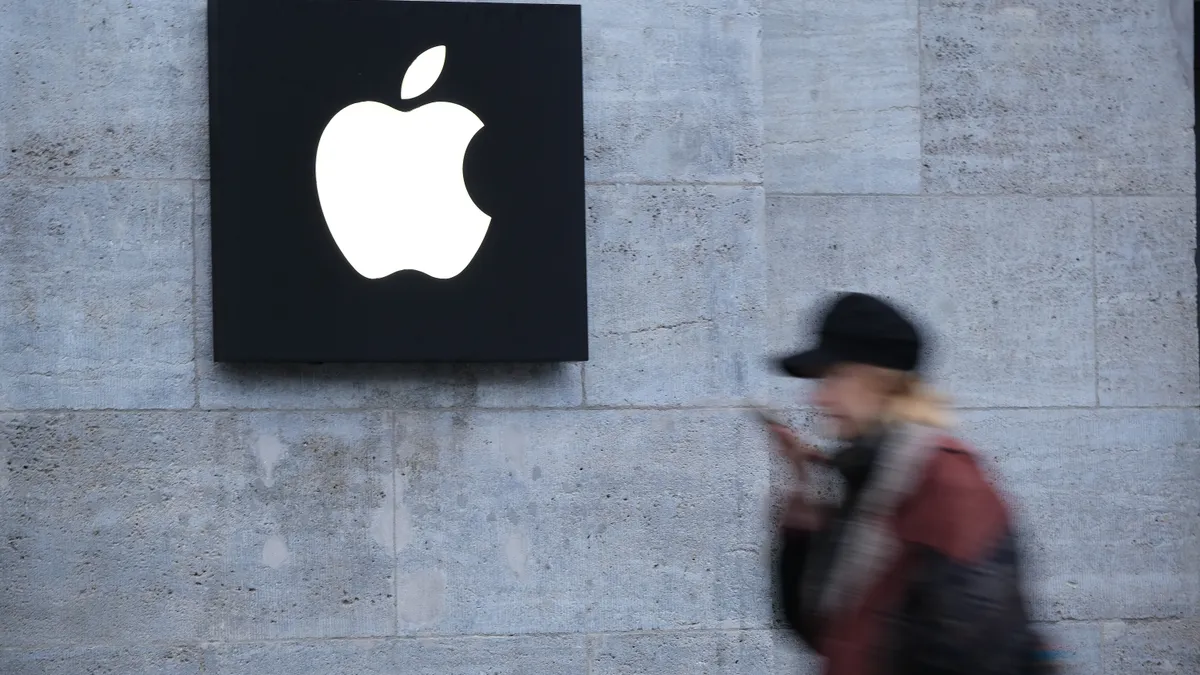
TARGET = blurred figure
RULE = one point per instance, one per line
(916, 570)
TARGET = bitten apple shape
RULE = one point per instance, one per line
(391, 183)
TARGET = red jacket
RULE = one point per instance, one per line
(947, 601)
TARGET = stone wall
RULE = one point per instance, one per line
(1022, 171)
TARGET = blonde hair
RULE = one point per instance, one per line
(912, 401)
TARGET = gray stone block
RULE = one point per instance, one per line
(128, 527)
(1003, 286)
(1146, 343)
(699, 653)
(69, 660)
(1183, 29)
(1107, 500)
(553, 655)
(675, 286)
(104, 89)
(672, 91)
(841, 97)
(96, 294)
(580, 521)
(1055, 97)
(566, 655)
(791, 656)
(1151, 647)
(331, 386)
(1079, 643)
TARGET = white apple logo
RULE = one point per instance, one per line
(391, 183)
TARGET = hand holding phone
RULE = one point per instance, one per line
(796, 451)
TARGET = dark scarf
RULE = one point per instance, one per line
(880, 469)
(855, 460)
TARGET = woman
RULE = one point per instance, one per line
(915, 571)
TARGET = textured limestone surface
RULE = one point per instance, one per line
(1020, 174)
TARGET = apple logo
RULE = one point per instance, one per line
(391, 183)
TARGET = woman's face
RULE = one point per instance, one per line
(851, 398)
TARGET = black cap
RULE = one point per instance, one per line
(859, 328)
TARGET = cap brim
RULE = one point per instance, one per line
(808, 365)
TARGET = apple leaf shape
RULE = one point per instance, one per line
(423, 72)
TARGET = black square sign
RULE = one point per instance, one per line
(397, 181)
